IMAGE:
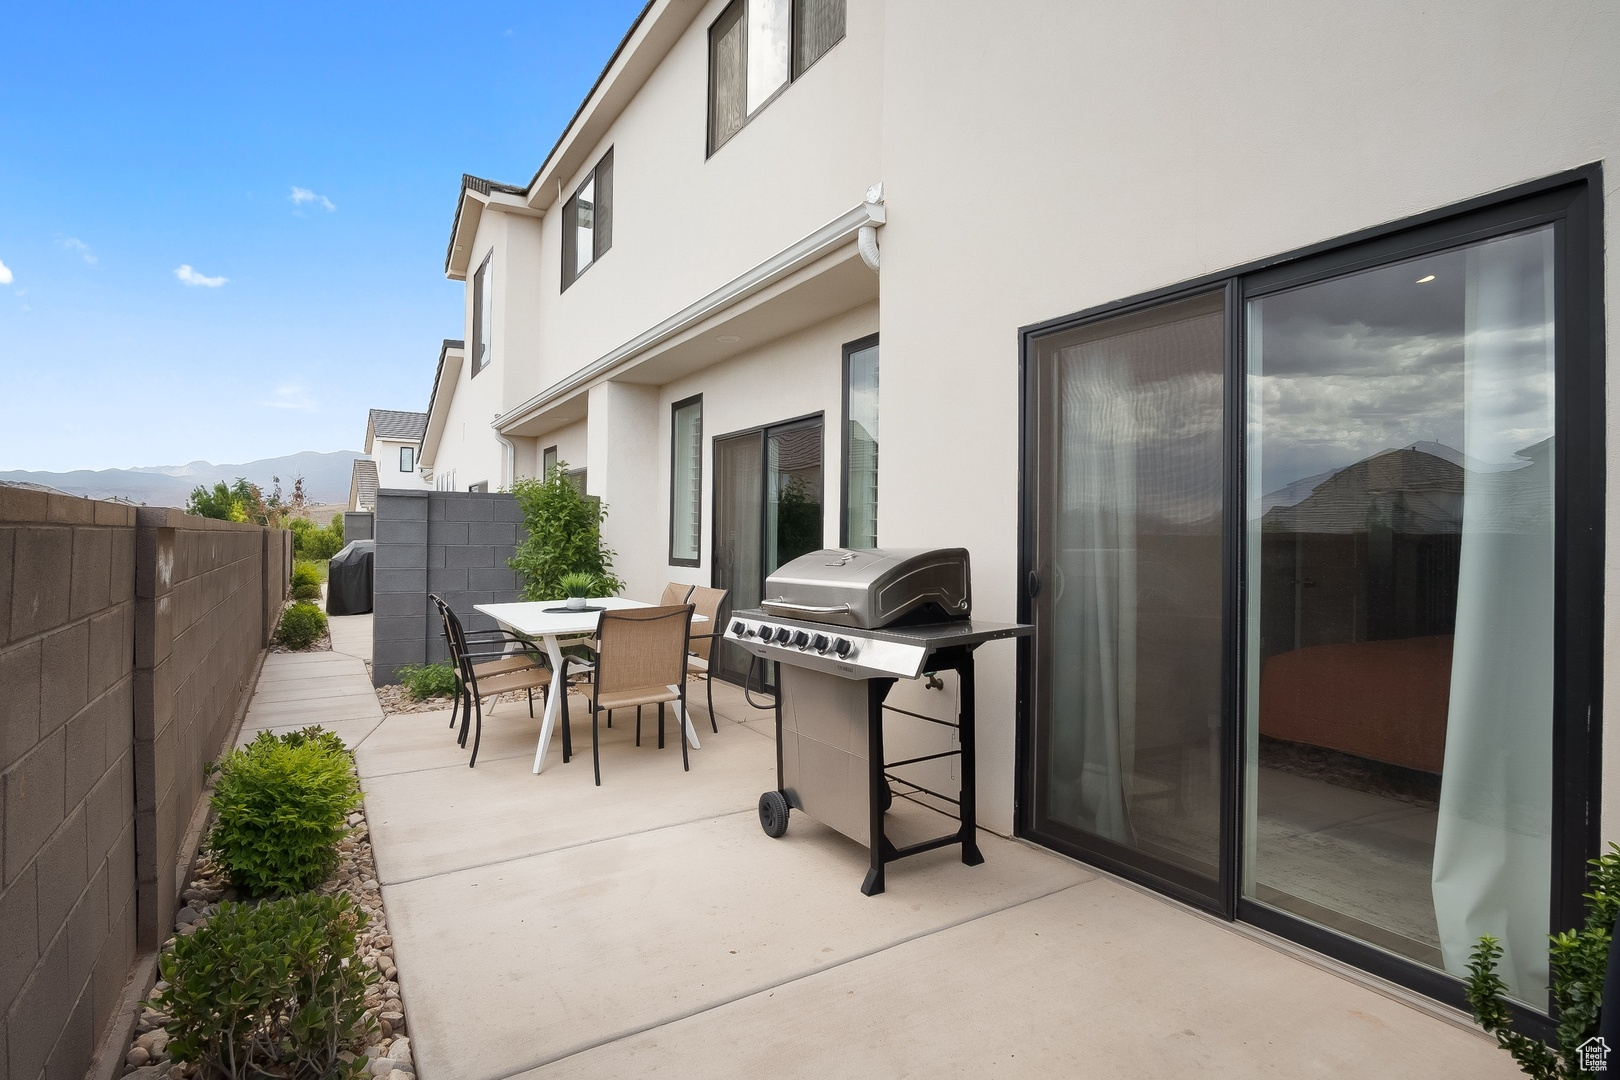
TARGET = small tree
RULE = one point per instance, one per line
(565, 536)
(1578, 959)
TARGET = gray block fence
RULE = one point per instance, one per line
(358, 525)
(453, 543)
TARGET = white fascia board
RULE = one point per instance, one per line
(796, 256)
(444, 391)
(473, 205)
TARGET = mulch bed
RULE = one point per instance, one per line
(387, 1046)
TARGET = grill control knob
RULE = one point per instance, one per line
(765, 632)
(842, 646)
(819, 643)
(800, 639)
(738, 629)
(782, 635)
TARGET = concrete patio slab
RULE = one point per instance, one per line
(544, 925)
(1095, 980)
(501, 810)
(352, 732)
(598, 941)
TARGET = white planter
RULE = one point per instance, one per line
(576, 603)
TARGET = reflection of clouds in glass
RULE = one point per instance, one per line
(1347, 368)
(770, 32)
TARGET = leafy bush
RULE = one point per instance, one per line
(275, 989)
(301, 625)
(305, 573)
(306, 592)
(1578, 958)
(311, 541)
(281, 805)
(428, 680)
(565, 536)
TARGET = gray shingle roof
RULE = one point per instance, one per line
(365, 482)
(392, 424)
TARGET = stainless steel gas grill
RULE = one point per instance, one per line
(845, 626)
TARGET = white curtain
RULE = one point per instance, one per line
(1493, 856)
(1094, 687)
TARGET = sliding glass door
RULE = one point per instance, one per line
(1400, 604)
(1314, 555)
(1129, 561)
(767, 511)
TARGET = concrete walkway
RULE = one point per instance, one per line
(547, 927)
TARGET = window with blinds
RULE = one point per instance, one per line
(588, 221)
(757, 47)
(480, 316)
(686, 481)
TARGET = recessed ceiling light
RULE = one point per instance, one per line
(728, 339)
(1426, 278)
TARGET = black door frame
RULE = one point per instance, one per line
(1573, 200)
(763, 432)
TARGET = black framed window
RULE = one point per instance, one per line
(479, 488)
(859, 517)
(1387, 729)
(407, 458)
(548, 462)
(588, 221)
(757, 47)
(686, 481)
(481, 310)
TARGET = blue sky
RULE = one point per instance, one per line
(308, 155)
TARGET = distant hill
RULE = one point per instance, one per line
(326, 478)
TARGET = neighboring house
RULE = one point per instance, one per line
(394, 443)
(1141, 276)
(363, 485)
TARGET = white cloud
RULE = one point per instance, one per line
(73, 243)
(5, 274)
(186, 274)
(300, 196)
(291, 396)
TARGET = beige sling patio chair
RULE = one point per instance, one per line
(674, 593)
(707, 602)
(640, 660)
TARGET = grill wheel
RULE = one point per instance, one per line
(773, 814)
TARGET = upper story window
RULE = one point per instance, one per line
(756, 47)
(407, 459)
(588, 221)
(481, 316)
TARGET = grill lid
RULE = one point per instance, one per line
(873, 587)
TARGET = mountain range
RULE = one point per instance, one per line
(326, 478)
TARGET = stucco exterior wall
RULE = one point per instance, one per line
(386, 455)
(1180, 139)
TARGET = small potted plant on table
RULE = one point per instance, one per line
(578, 587)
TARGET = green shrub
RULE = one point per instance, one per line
(565, 536)
(428, 680)
(305, 572)
(306, 592)
(281, 805)
(311, 541)
(1578, 959)
(275, 989)
(301, 625)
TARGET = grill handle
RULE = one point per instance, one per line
(808, 609)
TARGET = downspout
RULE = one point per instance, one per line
(866, 236)
(508, 461)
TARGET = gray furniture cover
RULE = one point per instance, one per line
(348, 583)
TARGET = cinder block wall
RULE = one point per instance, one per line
(454, 543)
(67, 909)
(108, 614)
(203, 615)
(358, 525)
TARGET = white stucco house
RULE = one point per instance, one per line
(393, 443)
(1255, 352)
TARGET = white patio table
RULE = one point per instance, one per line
(556, 628)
